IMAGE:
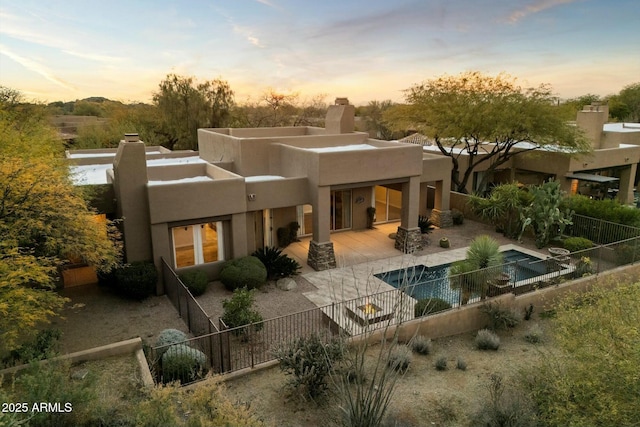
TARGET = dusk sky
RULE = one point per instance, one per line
(365, 50)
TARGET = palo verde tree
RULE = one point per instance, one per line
(186, 105)
(489, 119)
(44, 222)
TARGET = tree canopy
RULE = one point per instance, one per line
(487, 118)
(44, 222)
(186, 105)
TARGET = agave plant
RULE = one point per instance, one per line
(474, 273)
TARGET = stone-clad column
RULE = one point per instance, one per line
(321, 255)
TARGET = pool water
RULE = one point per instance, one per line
(422, 282)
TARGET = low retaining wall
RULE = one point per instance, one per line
(469, 318)
(116, 349)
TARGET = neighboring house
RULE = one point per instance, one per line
(610, 170)
(231, 197)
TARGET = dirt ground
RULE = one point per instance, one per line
(423, 396)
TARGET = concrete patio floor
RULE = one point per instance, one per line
(361, 254)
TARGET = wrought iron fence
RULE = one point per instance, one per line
(599, 231)
(417, 295)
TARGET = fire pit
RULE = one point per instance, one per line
(367, 312)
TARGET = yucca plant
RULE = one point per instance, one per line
(474, 273)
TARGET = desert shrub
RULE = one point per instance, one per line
(196, 281)
(136, 280)
(51, 382)
(44, 345)
(500, 318)
(533, 334)
(428, 306)
(592, 381)
(183, 363)
(206, 405)
(627, 253)
(247, 272)
(575, 244)
(400, 358)
(487, 340)
(461, 364)
(507, 407)
(425, 224)
(309, 360)
(168, 337)
(457, 216)
(421, 345)
(239, 311)
(278, 265)
(441, 363)
(584, 267)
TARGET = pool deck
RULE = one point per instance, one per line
(361, 254)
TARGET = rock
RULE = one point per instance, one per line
(286, 284)
(80, 374)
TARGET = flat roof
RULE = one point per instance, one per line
(621, 127)
(202, 178)
(340, 148)
(259, 178)
(97, 174)
(591, 177)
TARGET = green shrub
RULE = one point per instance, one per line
(592, 380)
(309, 360)
(196, 281)
(584, 267)
(247, 272)
(51, 382)
(421, 345)
(45, 344)
(183, 363)
(461, 364)
(500, 318)
(627, 253)
(457, 216)
(575, 244)
(238, 311)
(441, 363)
(428, 306)
(425, 224)
(533, 334)
(278, 265)
(609, 210)
(136, 280)
(487, 340)
(400, 359)
(168, 337)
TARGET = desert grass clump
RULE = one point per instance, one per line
(534, 334)
(507, 407)
(400, 359)
(500, 318)
(441, 363)
(421, 345)
(487, 340)
(461, 364)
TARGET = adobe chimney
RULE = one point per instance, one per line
(340, 117)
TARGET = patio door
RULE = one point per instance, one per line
(388, 203)
(340, 210)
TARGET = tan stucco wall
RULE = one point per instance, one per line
(359, 210)
(278, 193)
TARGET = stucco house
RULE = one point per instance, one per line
(611, 165)
(198, 209)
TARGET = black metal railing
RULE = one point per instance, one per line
(231, 349)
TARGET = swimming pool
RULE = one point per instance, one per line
(421, 282)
